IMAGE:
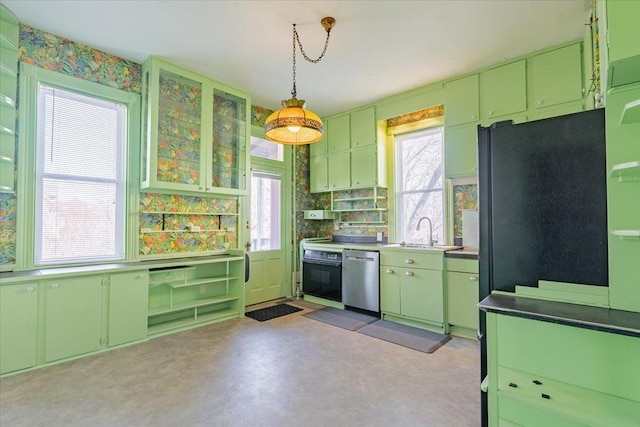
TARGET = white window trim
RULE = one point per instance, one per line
(30, 78)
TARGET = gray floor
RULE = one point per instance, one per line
(290, 371)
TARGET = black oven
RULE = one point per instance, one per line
(322, 274)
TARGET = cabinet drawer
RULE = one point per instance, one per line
(577, 403)
(519, 412)
(412, 259)
(462, 265)
(571, 355)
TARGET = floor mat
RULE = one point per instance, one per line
(344, 319)
(407, 336)
(269, 313)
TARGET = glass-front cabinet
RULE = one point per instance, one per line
(195, 132)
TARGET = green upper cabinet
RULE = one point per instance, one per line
(623, 42)
(339, 133)
(557, 76)
(339, 171)
(319, 173)
(503, 92)
(195, 132)
(461, 150)
(462, 103)
(321, 147)
(364, 170)
(18, 326)
(363, 128)
(8, 87)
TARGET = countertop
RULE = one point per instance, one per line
(582, 316)
(463, 253)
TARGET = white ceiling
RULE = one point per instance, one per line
(377, 48)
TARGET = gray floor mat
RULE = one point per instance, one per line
(407, 336)
(344, 319)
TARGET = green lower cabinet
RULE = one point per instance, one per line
(461, 150)
(515, 412)
(18, 326)
(462, 300)
(389, 290)
(73, 317)
(421, 294)
(128, 307)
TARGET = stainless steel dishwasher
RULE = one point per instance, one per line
(361, 279)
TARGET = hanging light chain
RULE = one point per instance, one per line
(296, 38)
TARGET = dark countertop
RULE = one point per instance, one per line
(582, 316)
(462, 253)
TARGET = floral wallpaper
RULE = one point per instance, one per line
(8, 215)
(464, 197)
(176, 224)
(259, 115)
(416, 116)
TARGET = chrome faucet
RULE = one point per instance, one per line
(431, 241)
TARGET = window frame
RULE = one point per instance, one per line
(31, 78)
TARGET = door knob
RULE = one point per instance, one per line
(409, 273)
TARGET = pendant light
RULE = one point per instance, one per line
(294, 124)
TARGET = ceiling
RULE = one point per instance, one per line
(377, 48)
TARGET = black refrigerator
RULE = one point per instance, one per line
(542, 206)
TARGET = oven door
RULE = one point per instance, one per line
(322, 279)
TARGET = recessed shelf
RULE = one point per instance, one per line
(191, 320)
(626, 171)
(360, 210)
(191, 213)
(353, 199)
(631, 113)
(191, 304)
(196, 282)
(183, 231)
(627, 234)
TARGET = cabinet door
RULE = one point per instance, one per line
(462, 299)
(363, 128)
(364, 168)
(319, 174)
(339, 133)
(622, 29)
(390, 289)
(228, 146)
(461, 150)
(503, 91)
(177, 156)
(73, 316)
(128, 307)
(18, 326)
(339, 170)
(320, 148)
(557, 76)
(421, 295)
(461, 101)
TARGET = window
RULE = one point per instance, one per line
(265, 211)
(419, 185)
(80, 177)
(266, 149)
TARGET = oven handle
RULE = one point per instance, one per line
(315, 261)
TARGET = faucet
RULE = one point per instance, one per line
(431, 241)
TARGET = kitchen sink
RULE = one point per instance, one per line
(423, 246)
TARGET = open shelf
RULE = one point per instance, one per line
(191, 304)
(627, 234)
(197, 282)
(631, 113)
(191, 321)
(360, 210)
(353, 199)
(182, 231)
(191, 213)
(626, 171)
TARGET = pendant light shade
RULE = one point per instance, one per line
(294, 125)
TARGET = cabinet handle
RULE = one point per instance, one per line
(545, 396)
(409, 261)
(140, 276)
(474, 116)
(55, 286)
(491, 113)
(409, 273)
(540, 101)
(536, 382)
(389, 271)
(30, 289)
(473, 278)
(514, 385)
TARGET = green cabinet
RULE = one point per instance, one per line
(73, 316)
(18, 326)
(503, 92)
(364, 168)
(411, 288)
(557, 76)
(9, 28)
(363, 128)
(319, 173)
(339, 170)
(622, 42)
(462, 295)
(462, 102)
(128, 306)
(339, 133)
(195, 132)
(321, 147)
(461, 150)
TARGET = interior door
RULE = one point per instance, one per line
(268, 224)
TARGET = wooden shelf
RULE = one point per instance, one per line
(191, 304)
(631, 113)
(626, 171)
(627, 234)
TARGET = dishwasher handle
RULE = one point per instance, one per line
(360, 258)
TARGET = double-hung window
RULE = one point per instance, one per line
(79, 141)
(419, 185)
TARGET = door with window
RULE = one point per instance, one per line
(268, 222)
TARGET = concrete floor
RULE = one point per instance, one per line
(289, 371)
